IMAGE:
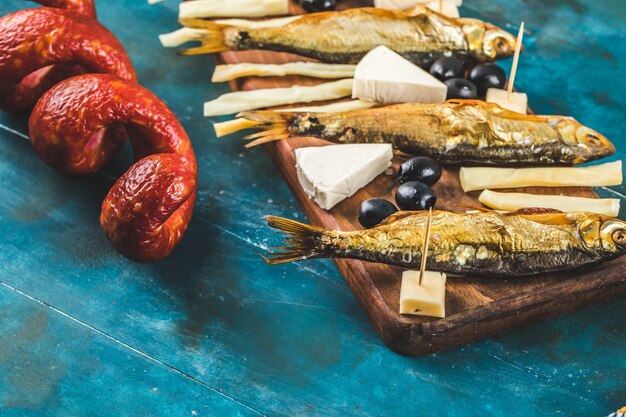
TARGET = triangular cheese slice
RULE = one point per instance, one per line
(384, 76)
(330, 174)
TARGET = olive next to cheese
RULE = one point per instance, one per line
(414, 195)
(374, 211)
(486, 76)
(447, 67)
(422, 169)
(460, 88)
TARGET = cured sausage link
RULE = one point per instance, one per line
(33, 39)
(86, 101)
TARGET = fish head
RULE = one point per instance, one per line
(613, 236)
(585, 143)
(488, 42)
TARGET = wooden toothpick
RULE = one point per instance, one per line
(518, 48)
(425, 249)
(441, 6)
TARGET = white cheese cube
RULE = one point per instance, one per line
(408, 4)
(517, 102)
(384, 76)
(427, 299)
(447, 8)
(330, 174)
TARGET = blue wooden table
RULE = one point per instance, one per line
(213, 331)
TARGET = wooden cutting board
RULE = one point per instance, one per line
(476, 307)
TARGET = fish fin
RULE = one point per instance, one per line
(302, 241)
(211, 41)
(274, 126)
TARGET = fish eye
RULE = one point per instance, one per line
(619, 237)
(593, 140)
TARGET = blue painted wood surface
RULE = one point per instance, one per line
(213, 331)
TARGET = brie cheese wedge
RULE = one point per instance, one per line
(386, 77)
(330, 174)
(427, 299)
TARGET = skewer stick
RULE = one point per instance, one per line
(425, 250)
(518, 48)
(441, 6)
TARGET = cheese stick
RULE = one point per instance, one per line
(309, 69)
(258, 24)
(516, 201)
(184, 35)
(481, 178)
(255, 99)
(232, 8)
(181, 36)
(232, 126)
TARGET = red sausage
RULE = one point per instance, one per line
(147, 211)
(36, 38)
(84, 7)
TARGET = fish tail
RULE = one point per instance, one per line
(212, 40)
(303, 241)
(274, 126)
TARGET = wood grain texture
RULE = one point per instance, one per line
(476, 307)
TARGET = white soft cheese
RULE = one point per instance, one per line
(384, 76)
(427, 299)
(408, 4)
(517, 102)
(330, 174)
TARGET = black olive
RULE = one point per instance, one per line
(447, 67)
(312, 6)
(422, 169)
(374, 211)
(460, 88)
(486, 76)
(414, 195)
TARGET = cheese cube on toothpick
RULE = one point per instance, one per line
(423, 293)
(517, 102)
(508, 99)
(425, 299)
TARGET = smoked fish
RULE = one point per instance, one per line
(421, 35)
(457, 132)
(483, 243)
